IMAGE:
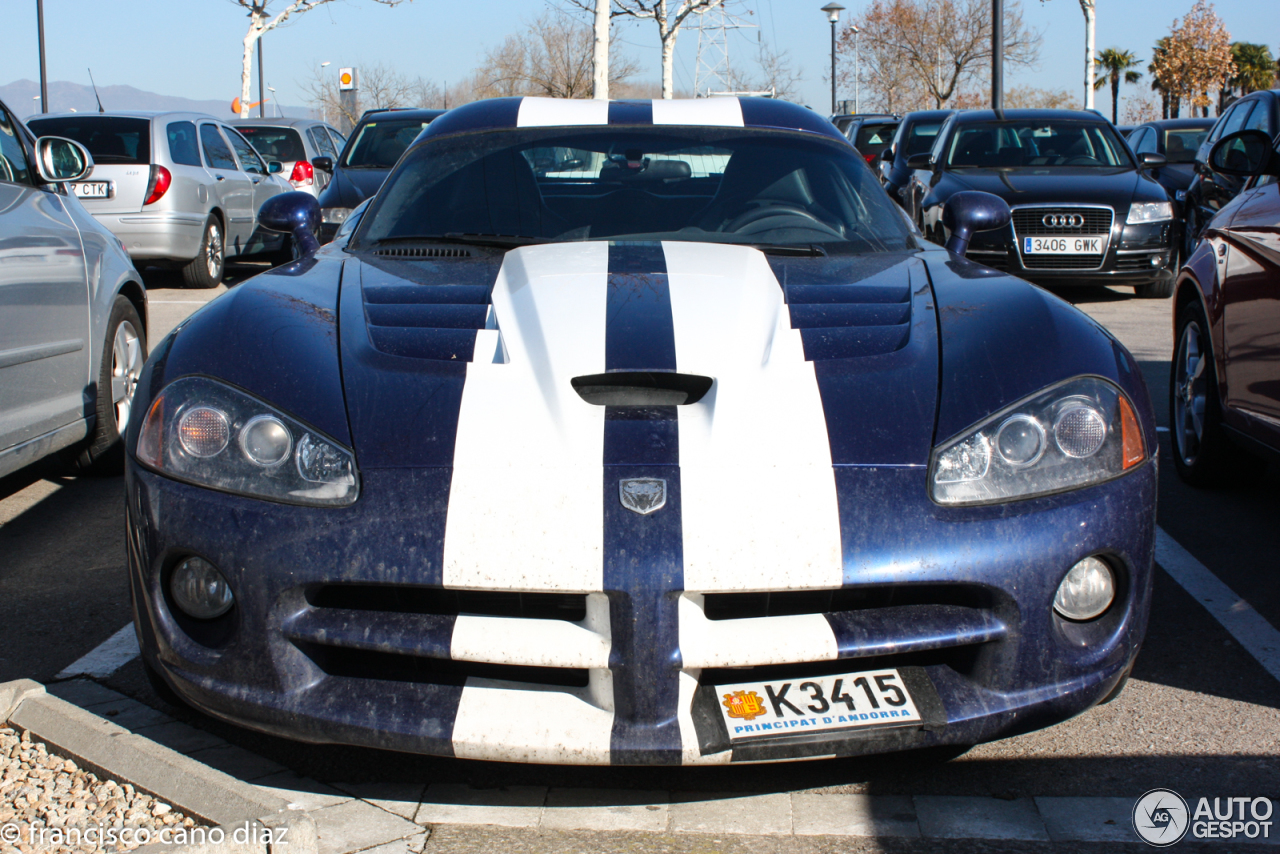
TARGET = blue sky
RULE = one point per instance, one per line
(192, 47)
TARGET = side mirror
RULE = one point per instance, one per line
(274, 167)
(295, 213)
(972, 211)
(1244, 154)
(923, 160)
(887, 155)
(1151, 160)
(324, 164)
(59, 159)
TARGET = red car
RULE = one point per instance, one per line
(1225, 380)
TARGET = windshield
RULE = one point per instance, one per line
(1180, 146)
(1035, 143)
(281, 144)
(700, 184)
(379, 144)
(108, 138)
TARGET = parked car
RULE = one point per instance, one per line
(1224, 389)
(916, 134)
(180, 190)
(699, 454)
(871, 133)
(1211, 189)
(1086, 211)
(1178, 140)
(73, 312)
(296, 143)
(375, 145)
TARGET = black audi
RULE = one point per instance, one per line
(1086, 211)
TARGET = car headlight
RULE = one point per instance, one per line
(207, 433)
(334, 216)
(1073, 434)
(1140, 212)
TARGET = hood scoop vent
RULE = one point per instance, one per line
(423, 252)
(851, 321)
(641, 388)
(438, 322)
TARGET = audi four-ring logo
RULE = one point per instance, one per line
(1063, 220)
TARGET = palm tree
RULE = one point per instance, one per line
(1116, 63)
(1255, 69)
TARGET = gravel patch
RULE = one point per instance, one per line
(40, 791)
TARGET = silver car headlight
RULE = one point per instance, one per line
(1072, 434)
(1140, 212)
(211, 434)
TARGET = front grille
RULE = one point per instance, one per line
(785, 603)
(1136, 263)
(400, 667)
(433, 600)
(1029, 222)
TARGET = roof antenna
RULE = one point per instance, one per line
(95, 91)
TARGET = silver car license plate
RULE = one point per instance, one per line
(841, 701)
(1062, 245)
(93, 189)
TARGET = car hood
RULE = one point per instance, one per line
(1064, 184)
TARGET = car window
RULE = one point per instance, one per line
(379, 144)
(1180, 146)
(216, 153)
(1235, 119)
(1145, 142)
(110, 139)
(1038, 143)
(321, 142)
(339, 141)
(874, 137)
(923, 135)
(183, 148)
(283, 144)
(13, 159)
(249, 159)
(1260, 118)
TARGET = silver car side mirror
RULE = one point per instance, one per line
(59, 159)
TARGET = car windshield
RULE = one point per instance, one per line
(922, 136)
(281, 144)
(1180, 146)
(700, 184)
(379, 144)
(110, 139)
(1035, 143)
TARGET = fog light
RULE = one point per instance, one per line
(1080, 431)
(200, 590)
(266, 441)
(1087, 591)
(203, 431)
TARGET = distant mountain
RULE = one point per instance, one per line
(21, 96)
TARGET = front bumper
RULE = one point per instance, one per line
(1135, 255)
(335, 639)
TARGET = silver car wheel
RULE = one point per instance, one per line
(126, 367)
(213, 251)
(1190, 394)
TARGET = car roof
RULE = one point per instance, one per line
(130, 114)
(276, 122)
(513, 113)
(1166, 124)
(926, 115)
(410, 114)
(1022, 115)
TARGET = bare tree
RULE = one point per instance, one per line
(776, 74)
(381, 87)
(670, 17)
(600, 51)
(935, 48)
(262, 20)
(553, 56)
(1029, 97)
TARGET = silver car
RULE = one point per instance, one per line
(298, 144)
(180, 189)
(73, 311)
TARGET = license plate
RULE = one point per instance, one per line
(1062, 245)
(842, 701)
(92, 190)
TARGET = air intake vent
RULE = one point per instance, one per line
(641, 388)
(423, 252)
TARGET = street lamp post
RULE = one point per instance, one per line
(857, 70)
(324, 96)
(833, 11)
(44, 78)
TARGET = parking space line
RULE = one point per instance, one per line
(107, 657)
(1237, 616)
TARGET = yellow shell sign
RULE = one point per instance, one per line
(346, 78)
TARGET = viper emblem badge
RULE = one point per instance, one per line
(643, 495)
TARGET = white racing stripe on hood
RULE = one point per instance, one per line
(702, 112)
(759, 495)
(526, 501)
(558, 112)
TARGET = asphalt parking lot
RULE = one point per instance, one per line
(1201, 714)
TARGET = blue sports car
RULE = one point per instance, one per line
(645, 433)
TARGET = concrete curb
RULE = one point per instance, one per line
(281, 834)
(112, 751)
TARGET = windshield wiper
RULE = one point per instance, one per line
(808, 250)
(502, 241)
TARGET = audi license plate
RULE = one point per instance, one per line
(1062, 245)
(842, 701)
(92, 190)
